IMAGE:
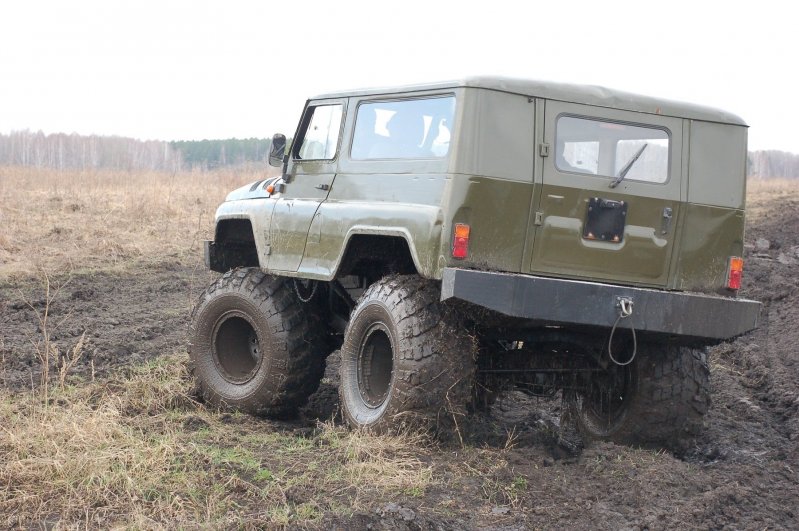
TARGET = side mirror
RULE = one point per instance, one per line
(278, 150)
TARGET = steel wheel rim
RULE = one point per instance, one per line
(375, 366)
(237, 349)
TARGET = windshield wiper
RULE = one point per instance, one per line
(627, 167)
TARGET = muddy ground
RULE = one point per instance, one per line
(742, 473)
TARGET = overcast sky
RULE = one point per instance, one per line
(191, 69)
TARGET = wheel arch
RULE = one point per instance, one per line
(370, 248)
(234, 245)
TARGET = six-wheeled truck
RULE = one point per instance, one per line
(458, 239)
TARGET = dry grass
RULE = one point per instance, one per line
(761, 193)
(68, 221)
(137, 451)
(78, 458)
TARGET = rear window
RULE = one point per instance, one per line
(604, 148)
(404, 129)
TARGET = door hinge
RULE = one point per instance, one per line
(539, 218)
(543, 149)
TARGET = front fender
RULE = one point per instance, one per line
(259, 213)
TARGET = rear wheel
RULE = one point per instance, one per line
(405, 362)
(660, 398)
(253, 345)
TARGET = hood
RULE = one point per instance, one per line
(254, 190)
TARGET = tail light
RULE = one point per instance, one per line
(460, 241)
(735, 272)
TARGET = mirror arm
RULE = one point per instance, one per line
(285, 175)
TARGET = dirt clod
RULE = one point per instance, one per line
(194, 423)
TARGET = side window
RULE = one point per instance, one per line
(405, 129)
(320, 138)
(605, 148)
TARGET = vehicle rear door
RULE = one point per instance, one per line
(593, 224)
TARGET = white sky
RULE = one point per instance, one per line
(192, 69)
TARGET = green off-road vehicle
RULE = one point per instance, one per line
(457, 239)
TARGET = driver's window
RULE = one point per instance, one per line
(320, 138)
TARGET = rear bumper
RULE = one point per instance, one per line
(552, 301)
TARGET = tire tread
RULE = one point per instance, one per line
(298, 363)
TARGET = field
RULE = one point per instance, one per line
(99, 426)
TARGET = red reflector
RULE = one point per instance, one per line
(735, 272)
(460, 241)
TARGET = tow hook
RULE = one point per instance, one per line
(625, 307)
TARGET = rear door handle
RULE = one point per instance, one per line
(323, 186)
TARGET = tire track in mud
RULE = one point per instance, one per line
(126, 317)
(755, 383)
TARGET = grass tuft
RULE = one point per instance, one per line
(118, 453)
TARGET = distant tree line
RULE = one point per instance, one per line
(72, 151)
(772, 163)
(62, 151)
(215, 153)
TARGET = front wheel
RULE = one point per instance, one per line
(405, 362)
(661, 398)
(253, 346)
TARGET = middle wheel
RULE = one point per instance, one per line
(406, 361)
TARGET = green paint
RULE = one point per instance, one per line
(526, 213)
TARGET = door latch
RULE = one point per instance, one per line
(667, 215)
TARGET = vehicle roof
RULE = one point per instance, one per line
(586, 94)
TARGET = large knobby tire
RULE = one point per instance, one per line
(406, 362)
(661, 398)
(253, 346)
